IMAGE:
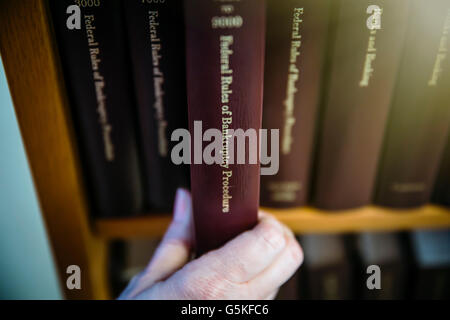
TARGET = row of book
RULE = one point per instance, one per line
(384, 266)
(381, 117)
(358, 89)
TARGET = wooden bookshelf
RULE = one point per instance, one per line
(300, 220)
(34, 75)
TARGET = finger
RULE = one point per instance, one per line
(220, 273)
(246, 256)
(263, 214)
(282, 269)
(175, 248)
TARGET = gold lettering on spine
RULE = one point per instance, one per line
(227, 117)
(99, 83)
(292, 79)
(158, 82)
(226, 21)
(442, 53)
(371, 55)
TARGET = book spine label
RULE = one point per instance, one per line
(441, 193)
(420, 114)
(94, 60)
(225, 65)
(156, 40)
(365, 50)
(295, 48)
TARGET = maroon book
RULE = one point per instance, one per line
(362, 71)
(295, 50)
(420, 115)
(225, 65)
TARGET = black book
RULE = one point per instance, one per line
(96, 70)
(156, 41)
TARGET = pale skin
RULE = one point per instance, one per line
(252, 266)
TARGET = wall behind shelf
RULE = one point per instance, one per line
(27, 269)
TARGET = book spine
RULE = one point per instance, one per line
(94, 61)
(361, 76)
(419, 118)
(385, 250)
(327, 268)
(156, 40)
(432, 284)
(330, 283)
(295, 48)
(225, 65)
(441, 193)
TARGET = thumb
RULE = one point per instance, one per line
(174, 250)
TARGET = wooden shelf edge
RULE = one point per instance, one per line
(300, 220)
(37, 88)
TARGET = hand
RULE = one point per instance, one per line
(252, 266)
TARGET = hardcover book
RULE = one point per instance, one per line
(328, 274)
(364, 54)
(420, 115)
(386, 251)
(95, 65)
(295, 49)
(156, 41)
(441, 193)
(225, 66)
